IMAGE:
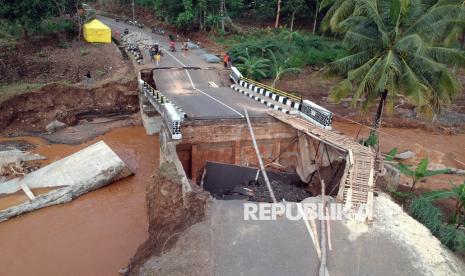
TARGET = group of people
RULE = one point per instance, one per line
(155, 53)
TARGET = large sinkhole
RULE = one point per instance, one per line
(220, 156)
(226, 181)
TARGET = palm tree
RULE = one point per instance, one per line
(420, 172)
(458, 194)
(281, 69)
(396, 51)
(253, 67)
(339, 11)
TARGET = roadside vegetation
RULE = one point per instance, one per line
(296, 49)
(450, 232)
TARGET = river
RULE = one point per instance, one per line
(95, 234)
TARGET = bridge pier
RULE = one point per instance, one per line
(151, 119)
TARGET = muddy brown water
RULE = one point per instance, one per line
(95, 234)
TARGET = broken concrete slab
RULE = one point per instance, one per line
(405, 155)
(77, 174)
(55, 125)
(17, 156)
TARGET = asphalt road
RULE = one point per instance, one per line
(201, 93)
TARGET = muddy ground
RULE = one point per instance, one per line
(31, 112)
(45, 60)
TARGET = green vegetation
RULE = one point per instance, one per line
(33, 16)
(457, 193)
(252, 67)
(284, 48)
(432, 217)
(396, 51)
(217, 15)
(10, 90)
(420, 172)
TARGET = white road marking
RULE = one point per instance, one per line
(213, 84)
(220, 102)
(171, 55)
(192, 83)
(206, 94)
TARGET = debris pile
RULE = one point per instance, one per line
(142, 40)
(136, 42)
(15, 162)
(257, 191)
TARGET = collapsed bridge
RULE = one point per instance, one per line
(280, 120)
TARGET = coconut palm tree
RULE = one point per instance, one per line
(252, 67)
(395, 51)
(458, 194)
(338, 11)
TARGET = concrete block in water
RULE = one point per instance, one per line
(77, 174)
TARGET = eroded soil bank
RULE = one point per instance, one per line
(169, 214)
(31, 112)
(95, 234)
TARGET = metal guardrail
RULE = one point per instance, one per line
(274, 90)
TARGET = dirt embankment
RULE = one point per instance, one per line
(45, 60)
(168, 214)
(31, 112)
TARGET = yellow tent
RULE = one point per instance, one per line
(96, 31)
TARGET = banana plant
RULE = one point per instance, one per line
(420, 172)
(457, 192)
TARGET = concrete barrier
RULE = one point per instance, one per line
(235, 75)
(307, 109)
(316, 114)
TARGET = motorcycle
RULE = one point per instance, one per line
(172, 46)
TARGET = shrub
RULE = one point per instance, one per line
(423, 210)
(299, 49)
(426, 213)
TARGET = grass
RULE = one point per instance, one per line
(432, 217)
(83, 51)
(8, 91)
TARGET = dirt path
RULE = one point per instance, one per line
(95, 234)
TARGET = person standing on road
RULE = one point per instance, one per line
(157, 58)
(226, 59)
(186, 48)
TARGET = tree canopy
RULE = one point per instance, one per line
(396, 46)
(29, 14)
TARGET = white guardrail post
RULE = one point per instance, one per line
(235, 75)
(166, 109)
(308, 110)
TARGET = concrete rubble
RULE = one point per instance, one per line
(17, 156)
(405, 155)
(55, 125)
(77, 174)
